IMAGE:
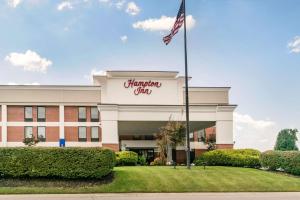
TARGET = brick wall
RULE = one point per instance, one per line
(52, 134)
(114, 147)
(52, 113)
(15, 134)
(15, 113)
(71, 114)
(224, 146)
(71, 134)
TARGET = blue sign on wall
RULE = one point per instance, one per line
(62, 142)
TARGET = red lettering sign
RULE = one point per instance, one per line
(142, 87)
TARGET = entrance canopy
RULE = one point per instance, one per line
(152, 127)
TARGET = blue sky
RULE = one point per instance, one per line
(251, 45)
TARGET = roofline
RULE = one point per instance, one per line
(141, 105)
(142, 71)
(50, 86)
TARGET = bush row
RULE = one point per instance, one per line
(230, 157)
(287, 161)
(129, 158)
(70, 163)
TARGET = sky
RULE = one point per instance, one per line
(252, 46)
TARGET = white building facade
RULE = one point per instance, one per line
(131, 107)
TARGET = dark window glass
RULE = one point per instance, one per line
(82, 114)
(41, 114)
(82, 134)
(28, 132)
(42, 133)
(28, 113)
(94, 114)
(95, 134)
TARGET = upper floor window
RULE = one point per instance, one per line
(41, 132)
(41, 114)
(28, 132)
(95, 134)
(82, 134)
(82, 114)
(28, 113)
(94, 114)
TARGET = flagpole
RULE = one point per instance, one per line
(188, 161)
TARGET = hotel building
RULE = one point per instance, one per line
(122, 110)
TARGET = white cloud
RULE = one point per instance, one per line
(120, 4)
(132, 8)
(14, 83)
(294, 45)
(30, 61)
(252, 133)
(64, 6)
(164, 23)
(104, 1)
(14, 3)
(124, 38)
(94, 72)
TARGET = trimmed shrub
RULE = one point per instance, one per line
(287, 161)
(69, 163)
(142, 160)
(126, 158)
(230, 157)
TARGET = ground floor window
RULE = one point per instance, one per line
(95, 134)
(82, 134)
(28, 132)
(41, 133)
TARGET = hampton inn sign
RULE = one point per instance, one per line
(121, 110)
(142, 87)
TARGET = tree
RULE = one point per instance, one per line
(173, 135)
(286, 140)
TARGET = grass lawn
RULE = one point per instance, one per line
(165, 179)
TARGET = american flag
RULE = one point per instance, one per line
(178, 23)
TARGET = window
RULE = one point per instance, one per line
(28, 132)
(149, 137)
(28, 113)
(82, 114)
(42, 133)
(41, 114)
(201, 135)
(82, 134)
(95, 134)
(94, 114)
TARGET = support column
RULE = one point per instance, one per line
(109, 126)
(224, 127)
(61, 122)
(4, 125)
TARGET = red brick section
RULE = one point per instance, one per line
(0, 114)
(15, 134)
(15, 113)
(52, 114)
(224, 146)
(88, 114)
(114, 147)
(52, 134)
(71, 114)
(71, 134)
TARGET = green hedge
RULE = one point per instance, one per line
(70, 163)
(287, 161)
(230, 157)
(126, 158)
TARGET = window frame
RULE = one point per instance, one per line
(82, 139)
(28, 119)
(41, 139)
(25, 127)
(92, 138)
(41, 119)
(81, 119)
(94, 119)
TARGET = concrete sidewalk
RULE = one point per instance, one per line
(159, 196)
